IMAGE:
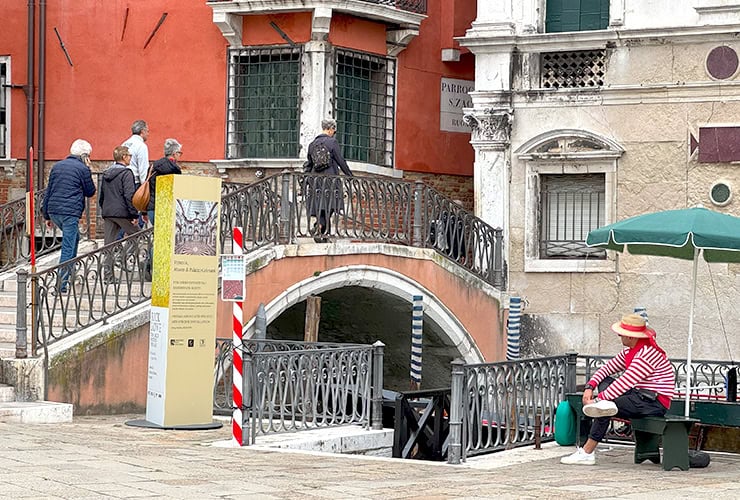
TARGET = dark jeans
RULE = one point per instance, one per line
(69, 224)
(631, 404)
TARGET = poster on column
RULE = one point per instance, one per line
(184, 299)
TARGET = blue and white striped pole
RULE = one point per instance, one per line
(642, 312)
(513, 328)
(417, 324)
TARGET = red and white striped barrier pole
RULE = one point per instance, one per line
(237, 418)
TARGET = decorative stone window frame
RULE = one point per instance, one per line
(316, 99)
(604, 160)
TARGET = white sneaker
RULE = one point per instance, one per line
(600, 409)
(580, 457)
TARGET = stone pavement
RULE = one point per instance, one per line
(101, 457)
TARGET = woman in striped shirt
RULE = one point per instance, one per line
(644, 389)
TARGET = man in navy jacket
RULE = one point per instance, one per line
(70, 182)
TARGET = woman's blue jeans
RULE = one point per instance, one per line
(69, 225)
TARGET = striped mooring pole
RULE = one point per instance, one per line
(417, 331)
(513, 328)
(237, 417)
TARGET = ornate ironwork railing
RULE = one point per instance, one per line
(708, 377)
(497, 406)
(293, 386)
(361, 208)
(15, 241)
(281, 209)
(256, 209)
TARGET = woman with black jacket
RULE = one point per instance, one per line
(164, 166)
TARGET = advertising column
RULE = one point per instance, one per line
(184, 296)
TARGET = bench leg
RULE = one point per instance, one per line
(676, 446)
(647, 447)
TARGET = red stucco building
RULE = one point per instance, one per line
(242, 85)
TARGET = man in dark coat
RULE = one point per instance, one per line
(164, 166)
(325, 196)
(70, 182)
(116, 189)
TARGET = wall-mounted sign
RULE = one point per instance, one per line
(454, 96)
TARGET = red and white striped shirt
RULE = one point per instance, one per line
(649, 369)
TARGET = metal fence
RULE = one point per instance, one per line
(293, 386)
(496, 406)
(708, 377)
(15, 240)
(277, 209)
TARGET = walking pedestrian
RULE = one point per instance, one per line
(117, 186)
(136, 145)
(325, 196)
(164, 166)
(70, 182)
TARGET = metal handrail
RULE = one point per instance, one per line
(278, 209)
(15, 242)
(294, 386)
(498, 405)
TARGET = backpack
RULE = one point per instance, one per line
(320, 157)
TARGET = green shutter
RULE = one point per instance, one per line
(592, 14)
(576, 15)
(553, 16)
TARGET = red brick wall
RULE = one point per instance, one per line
(454, 187)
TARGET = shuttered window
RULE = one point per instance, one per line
(571, 206)
(576, 15)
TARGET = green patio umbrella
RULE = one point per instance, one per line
(684, 234)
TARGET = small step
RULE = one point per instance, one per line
(7, 393)
(35, 412)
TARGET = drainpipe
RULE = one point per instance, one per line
(29, 89)
(42, 94)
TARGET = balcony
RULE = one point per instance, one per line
(402, 17)
(414, 6)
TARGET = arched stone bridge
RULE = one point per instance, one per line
(467, 309)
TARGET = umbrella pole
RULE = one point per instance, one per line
(697, 252)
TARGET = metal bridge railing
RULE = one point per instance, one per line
(496, 406)
(277, 209)
(708, 377)
(293, 386)
(15, 241)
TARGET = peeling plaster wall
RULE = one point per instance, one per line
(573, 311)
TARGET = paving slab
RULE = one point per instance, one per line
(100, 457)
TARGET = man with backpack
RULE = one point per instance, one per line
(325, 196)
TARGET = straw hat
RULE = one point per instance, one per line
(633, 325)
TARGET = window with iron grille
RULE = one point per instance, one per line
(4, 98)
(582, 69)
(364, 97)
(570, 206)
(264, 102)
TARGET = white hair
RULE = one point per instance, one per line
(80, 147)
(171, 146)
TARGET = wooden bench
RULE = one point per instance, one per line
(648, 431)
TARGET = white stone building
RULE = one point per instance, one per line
(586, 112)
